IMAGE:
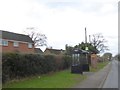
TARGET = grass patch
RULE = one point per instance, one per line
(100, 65)
(62, 79)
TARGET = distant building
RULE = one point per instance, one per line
(38, 50)
(54, 51)
(13, 42)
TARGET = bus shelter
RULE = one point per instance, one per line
(80, 62)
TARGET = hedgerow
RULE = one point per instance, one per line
(16, 66)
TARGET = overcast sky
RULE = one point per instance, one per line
(62, 21)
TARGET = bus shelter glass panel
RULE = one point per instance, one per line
(75, 59)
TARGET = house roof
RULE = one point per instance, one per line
(38, 50)
(15, 36)
(80, 51)
(55, 51)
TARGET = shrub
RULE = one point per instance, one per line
(67, 60)
(15, 66)
(59, 62)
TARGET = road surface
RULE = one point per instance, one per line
(94, 80)
(112, 78)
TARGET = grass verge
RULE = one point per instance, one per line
(100, 65)
(62, 79)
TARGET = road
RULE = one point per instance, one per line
(112, 78)
(94, 80)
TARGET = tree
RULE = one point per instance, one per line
(83, 45)
(69, 50)
(98, 41)
(107, 56)
(38, 38)
(117, 57)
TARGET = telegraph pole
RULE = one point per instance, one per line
(86, 48)
(85, 36)
(89, 38)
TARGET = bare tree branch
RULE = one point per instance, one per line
(38, 38)
(98, 42)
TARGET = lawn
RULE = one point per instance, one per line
(100, 65)
(62, 79)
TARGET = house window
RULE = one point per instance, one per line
(29, 45)
(4, 42)
(15, 44)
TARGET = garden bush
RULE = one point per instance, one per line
(16, 66)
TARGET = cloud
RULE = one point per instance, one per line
(84, 5)
(62, 21)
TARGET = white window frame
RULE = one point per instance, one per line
(16, 44)
(30, 45)
(5, 42)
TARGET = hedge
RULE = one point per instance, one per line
(16, 66)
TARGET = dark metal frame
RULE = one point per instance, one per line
(80, 61)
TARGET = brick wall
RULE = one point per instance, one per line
(94, 60)
(22, 48)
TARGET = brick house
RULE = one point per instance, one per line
(54, 51)
(13, 42)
